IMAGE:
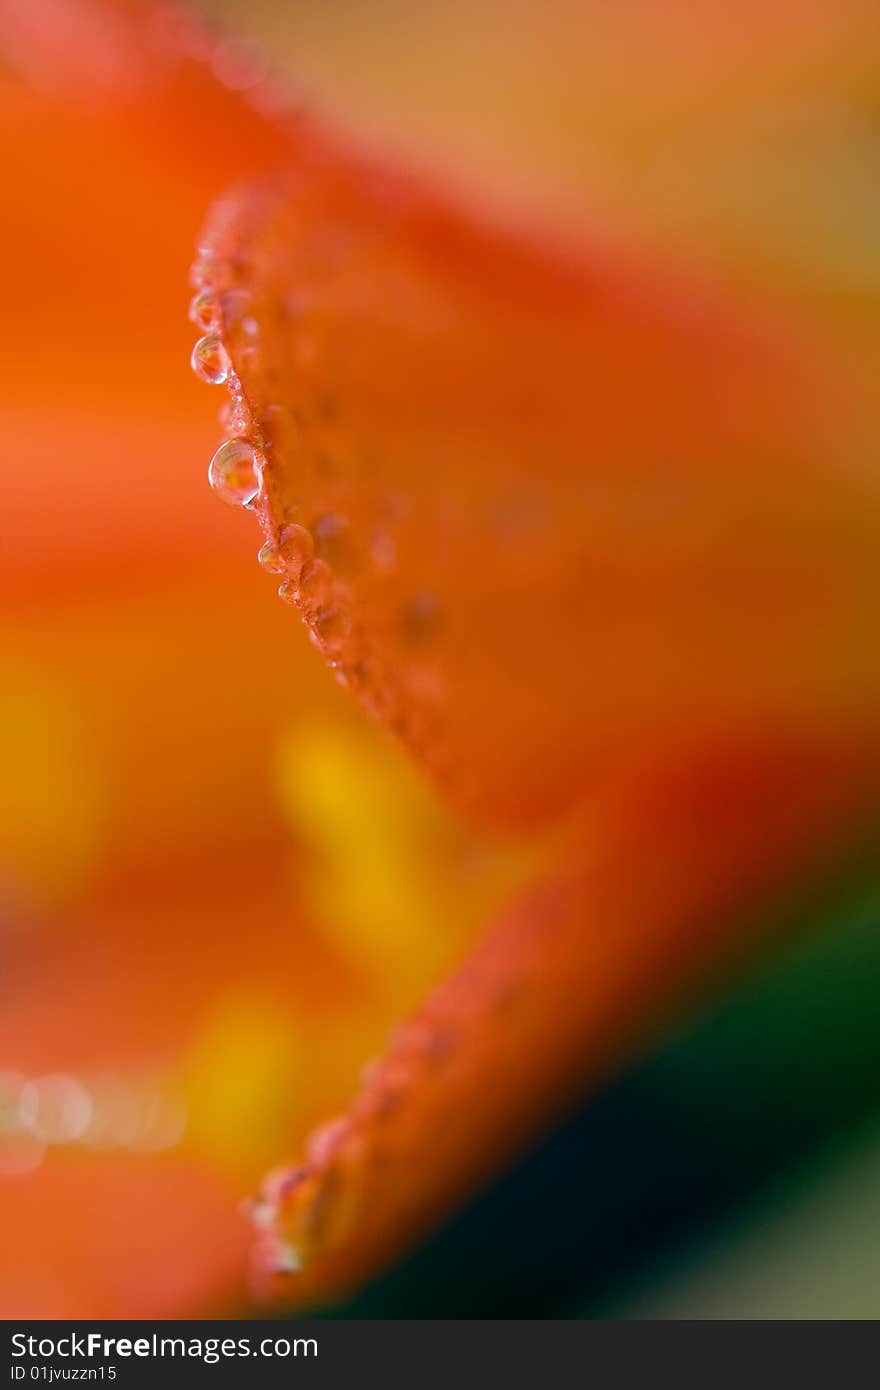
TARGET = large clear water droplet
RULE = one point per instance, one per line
(234, 472)
(209, 360)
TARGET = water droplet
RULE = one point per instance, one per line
(261, 1213)
(278, 1185)
(358, 674)
(209, 360)
(315, 584)
(234, 472)
(204, 263)
(232, 417)
(270, 559)
(296, 548)
(378, 1105)
(323, 1142)
(288, 592)
(286, 1258)
(330, 627)
(204, 309)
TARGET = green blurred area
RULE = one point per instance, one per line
(734, 1172)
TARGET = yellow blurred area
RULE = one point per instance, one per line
(221, 884)
(52, 812)
(244, 1074)
(399, 883)
(398, 887)
(151, 737)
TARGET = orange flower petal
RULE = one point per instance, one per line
(655, 888)
(543, 510)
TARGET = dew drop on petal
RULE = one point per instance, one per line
(323, 1142)
(234, 472)
(286, 1258)
(315, 584)
(288, 591)
(201, 267)
(330, 627)
(269, 558)
(209, 360)
(204, 309)
(261, 1213)
(296, 548)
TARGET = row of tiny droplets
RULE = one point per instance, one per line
(235, 473)
(236, 476)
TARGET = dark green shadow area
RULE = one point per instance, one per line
(728, 1105)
